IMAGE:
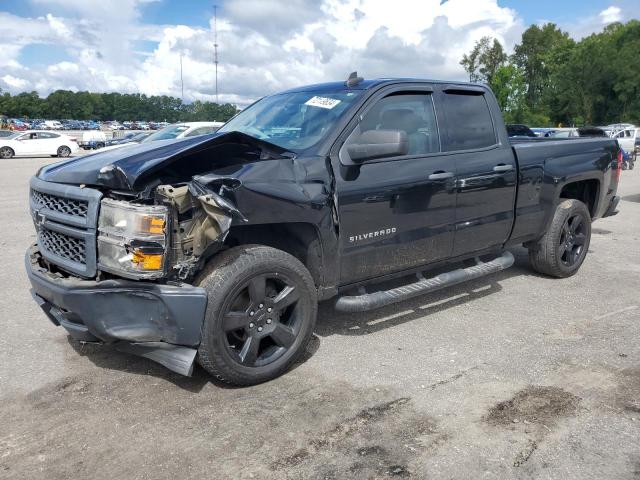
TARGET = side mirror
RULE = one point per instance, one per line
(374, 144)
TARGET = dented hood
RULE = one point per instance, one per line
(122, 168)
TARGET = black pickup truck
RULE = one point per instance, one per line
(218, 248)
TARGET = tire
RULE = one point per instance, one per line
(6, 152)
(258, 297)
(562, 250)
(64, 151)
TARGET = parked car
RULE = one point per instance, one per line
(579, 132)
(17, 125)
(218, 248)
(52, 125)
(543, 132)
(6, 133)
(520, 131)
(37, 142)
(627, 138)
(93, 139)
(128, 139)
(184, 130)
(117, 140)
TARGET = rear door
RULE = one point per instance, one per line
(49, 142)
(395, 213)
(486, 170)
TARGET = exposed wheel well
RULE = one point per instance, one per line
(586, 191)
(298, 239)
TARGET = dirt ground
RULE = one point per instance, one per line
(511, 376)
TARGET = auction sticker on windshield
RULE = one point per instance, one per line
(322, 102)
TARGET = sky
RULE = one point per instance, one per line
(265, 46)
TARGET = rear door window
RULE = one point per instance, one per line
(469, 123)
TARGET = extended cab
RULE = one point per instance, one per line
(218, 248)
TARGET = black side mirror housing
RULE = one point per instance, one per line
(376, 144)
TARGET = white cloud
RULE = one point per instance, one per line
(595, 23)
(610, 15)
(265, 45)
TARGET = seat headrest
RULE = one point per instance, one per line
(400, 119)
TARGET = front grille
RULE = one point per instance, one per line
(66, 206)
(62, 245)
(66, 220)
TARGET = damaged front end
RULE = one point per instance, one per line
(200, 221)
(116, 254)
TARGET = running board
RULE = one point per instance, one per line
(175, 358)
(370, 301)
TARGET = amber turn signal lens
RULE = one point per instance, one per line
(152, 224)
(147, 261)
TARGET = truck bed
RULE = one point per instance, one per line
(547, 163)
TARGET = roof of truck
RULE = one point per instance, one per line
(367, 84)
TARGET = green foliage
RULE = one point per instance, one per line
(65, 104)
(551, 79)
(484, 60)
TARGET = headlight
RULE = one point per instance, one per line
(132, 239)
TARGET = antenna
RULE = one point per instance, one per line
(215, 46)
(353, 80)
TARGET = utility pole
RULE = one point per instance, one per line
(181, 80)
(215, 46)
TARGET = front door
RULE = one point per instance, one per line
(28, 144)
(395, 213)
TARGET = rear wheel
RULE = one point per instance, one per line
(562, 250)
(64, 151)
(261, 312)
(6, 152)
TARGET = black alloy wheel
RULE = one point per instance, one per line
(563, 248)
(261, 311)
(572, 240)
(262, 319)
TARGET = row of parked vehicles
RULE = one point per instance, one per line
(20, 124)
(627, 135)
(58, 144)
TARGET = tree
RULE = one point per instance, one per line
(484, 60)
(532, 54)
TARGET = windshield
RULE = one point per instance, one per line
(167, 133)
(294, 121)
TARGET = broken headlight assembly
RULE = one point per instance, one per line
(132, 239)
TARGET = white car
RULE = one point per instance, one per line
(52, 125)
(627, 138)
(37, 142)
(184, 130)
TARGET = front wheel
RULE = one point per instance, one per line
(261, 311)
(64, 151)
(562, 250)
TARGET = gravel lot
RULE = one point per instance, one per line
(511, 376)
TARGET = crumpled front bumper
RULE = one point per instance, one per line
(145, 314)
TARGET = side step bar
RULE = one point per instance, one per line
(370, 301)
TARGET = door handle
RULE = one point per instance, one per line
(503, 168)
(440, 175)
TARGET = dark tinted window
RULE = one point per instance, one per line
(411, 113)
(469, 122)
